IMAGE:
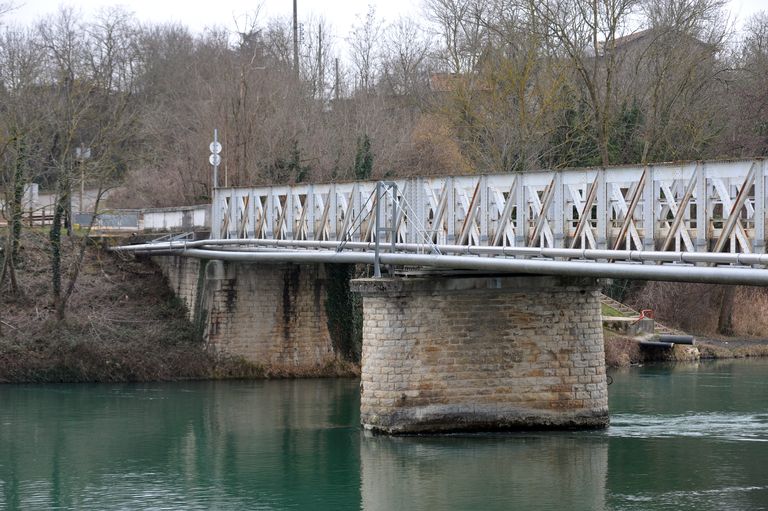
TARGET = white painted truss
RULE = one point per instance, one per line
(710, 206)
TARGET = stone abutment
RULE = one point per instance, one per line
(268, 314)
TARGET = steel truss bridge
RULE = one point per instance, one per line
(698, 221)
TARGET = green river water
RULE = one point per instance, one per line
(683, 437)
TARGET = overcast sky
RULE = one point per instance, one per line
(198, 14)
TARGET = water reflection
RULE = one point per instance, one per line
(691, 437)
(262, 445)
(501, 471)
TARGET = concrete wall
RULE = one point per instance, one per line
(481, 353)
(186, 218)
(270, 314)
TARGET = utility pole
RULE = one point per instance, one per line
(320, 74)
(336, 85)
(295, 40)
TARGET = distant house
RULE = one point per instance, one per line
(451, 82)
(443, 82)
(637, 43)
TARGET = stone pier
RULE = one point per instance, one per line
(448, 353)
(269, 314)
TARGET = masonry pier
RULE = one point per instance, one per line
(452, 353)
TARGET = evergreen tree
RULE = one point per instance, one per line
(573, 140)
(625, 144)
(295, 167)
(363, 158)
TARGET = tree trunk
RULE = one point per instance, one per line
(9, 269)
(55, 238)
(17, 210)
(64, 298)
(725, 321)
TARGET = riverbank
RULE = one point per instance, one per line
(123, 324)
(621, 351)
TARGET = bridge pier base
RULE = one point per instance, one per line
(481, 353)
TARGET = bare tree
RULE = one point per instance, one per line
(404, 57)
(363, 42)
(748, 132)
(587, 33)
(89, 106)
(278, 39)
(673, 70)
(5, 8)
(317, 57)
(459, 24)
(20, 115)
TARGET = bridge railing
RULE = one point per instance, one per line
(684, 207)
(149, 220)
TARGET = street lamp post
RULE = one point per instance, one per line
(82, 153)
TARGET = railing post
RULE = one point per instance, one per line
(559, 213)
(376, 261)
(450, 190)
(309, 204)
(288, 214)
(484, 210)
(394, 217)
(521, 211)
(758, 243)
(356, 204)
(270, 220)
(702, 221)
(649, 209)
(603, 209)
(333, 213)
(215, 228)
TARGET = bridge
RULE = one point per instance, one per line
(489, 316)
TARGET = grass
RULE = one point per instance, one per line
(608, 311)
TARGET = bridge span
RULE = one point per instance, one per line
(693, 206)
(489, 316)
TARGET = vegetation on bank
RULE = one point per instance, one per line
(727, 321)
(124, 325)
(622, 351)
(708, 311)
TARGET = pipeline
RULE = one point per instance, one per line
(639, 256)
(671, 273)
(676, 339)
(657, 344)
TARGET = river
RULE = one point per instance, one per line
(683, 437)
